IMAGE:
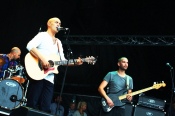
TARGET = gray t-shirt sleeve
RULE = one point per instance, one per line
(107, 77)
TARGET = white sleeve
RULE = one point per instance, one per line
(34, 42)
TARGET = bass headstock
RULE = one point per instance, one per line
(158, 85)
(91, 60)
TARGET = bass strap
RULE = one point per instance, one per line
(127, 82)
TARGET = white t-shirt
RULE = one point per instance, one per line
(44, 43)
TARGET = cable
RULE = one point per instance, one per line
(173, 89)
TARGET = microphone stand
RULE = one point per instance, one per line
(68, 57)
(70, 53)
(173, 89)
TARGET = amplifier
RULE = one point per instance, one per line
(143, 111)
(151, 102)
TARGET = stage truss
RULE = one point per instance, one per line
(119, 40)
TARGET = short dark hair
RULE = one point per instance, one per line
(120, 59)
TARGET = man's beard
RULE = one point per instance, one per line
(122, 68)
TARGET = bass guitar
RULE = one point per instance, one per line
(120, 96)
(36, 71)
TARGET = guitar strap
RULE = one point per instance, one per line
(59, 51)
(127, 82)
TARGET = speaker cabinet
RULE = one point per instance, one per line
(151, 102)
(143, 111)
(26, 111)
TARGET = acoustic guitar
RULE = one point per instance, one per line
(36, 71)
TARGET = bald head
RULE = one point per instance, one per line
(52, 25)
(15, 49)
(51, 20)
(15, 53)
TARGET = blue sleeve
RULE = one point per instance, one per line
(107, 77)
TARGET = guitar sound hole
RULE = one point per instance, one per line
(51, 63)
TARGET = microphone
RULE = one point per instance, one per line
(168, 64)
(62, 28)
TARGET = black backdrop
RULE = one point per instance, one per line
(21, 20)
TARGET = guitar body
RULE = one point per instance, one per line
(34, 68)
(115, 99)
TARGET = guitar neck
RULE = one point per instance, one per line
(71, 61)
(136, 92)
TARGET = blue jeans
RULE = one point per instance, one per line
(40, 94)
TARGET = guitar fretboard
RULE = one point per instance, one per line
(136, 92)
(64, 62)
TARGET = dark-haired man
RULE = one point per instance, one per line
(117, 81)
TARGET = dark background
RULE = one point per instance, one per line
(21, 19)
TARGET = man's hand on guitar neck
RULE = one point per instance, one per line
(129, 97)
(79, 61)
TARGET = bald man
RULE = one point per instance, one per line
(40, 92)
(9, 60)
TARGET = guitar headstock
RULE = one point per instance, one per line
(90, 60)
(158, 85)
